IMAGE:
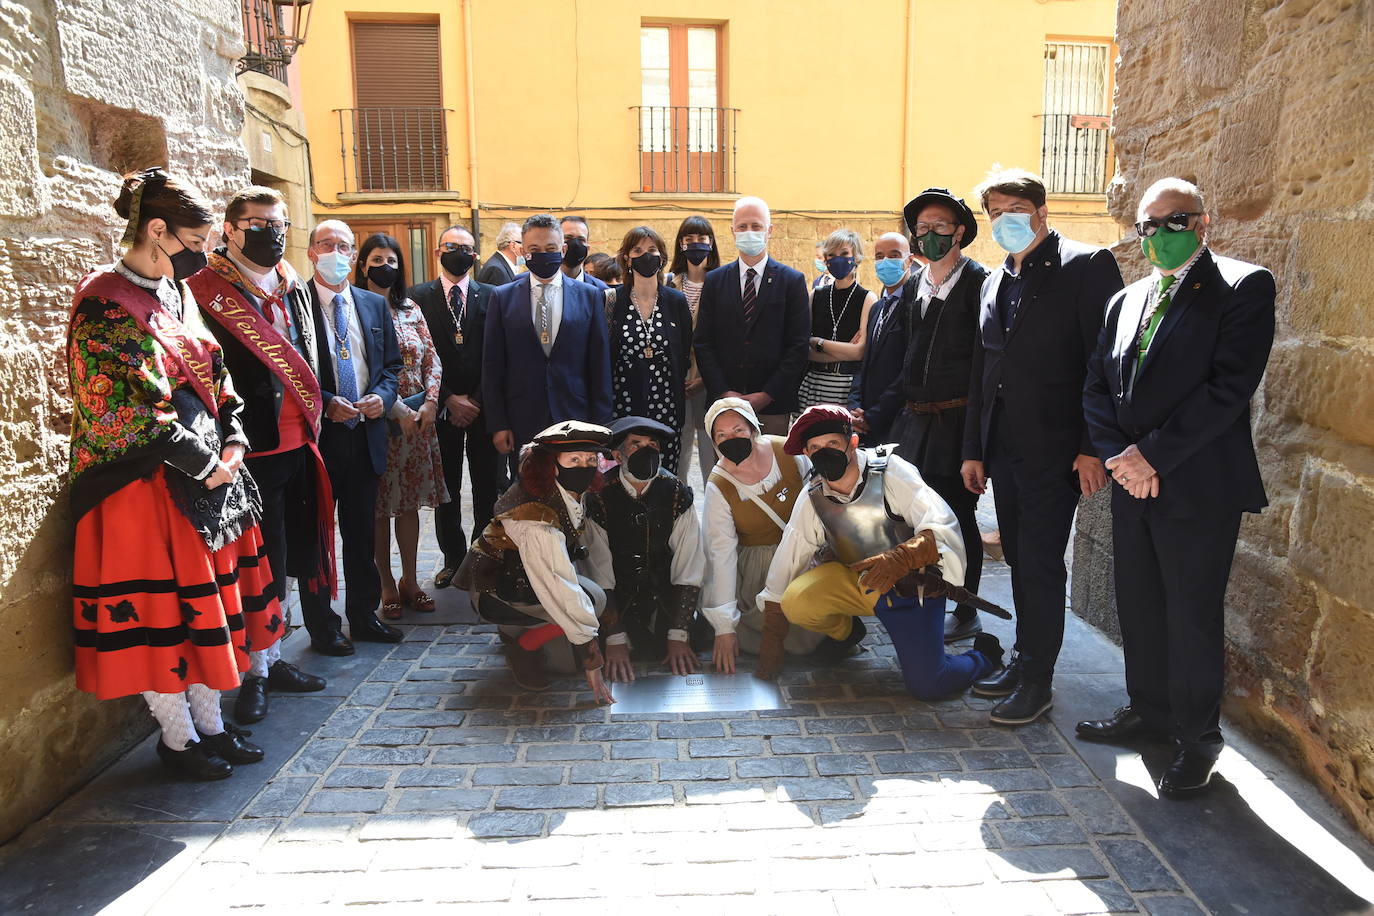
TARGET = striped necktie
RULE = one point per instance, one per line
(750, 296)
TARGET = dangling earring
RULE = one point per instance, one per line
(155, 248)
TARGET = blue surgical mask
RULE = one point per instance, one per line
(840, 266)
(333, 267)
(1013, 231)
(751, 243)
(890, 270)
(519, 260)
(820, 265)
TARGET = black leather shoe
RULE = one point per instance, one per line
(370, 629)
(831, 651)
(444, 577)
(1123, 725)
(290, 679)
(990, 647)
(1191, 771)
(251, 704)
(1028, 702)
(1000, 683)
(229, 745)
(956, 628)
(196, 762)
(332, 643)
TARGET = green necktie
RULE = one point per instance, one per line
(1149, 323)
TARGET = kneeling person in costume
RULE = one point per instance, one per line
(522, 571)
(881, 523)
(644, 515)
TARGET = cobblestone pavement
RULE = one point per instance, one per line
(425, 779)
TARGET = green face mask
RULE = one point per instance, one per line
(1169, 250)
(935, 246)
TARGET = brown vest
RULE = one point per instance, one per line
(493, 565)
(752, 526)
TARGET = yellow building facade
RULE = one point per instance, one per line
(422, 113)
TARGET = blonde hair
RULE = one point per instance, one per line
(841, 237)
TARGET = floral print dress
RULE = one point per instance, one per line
(414, 469)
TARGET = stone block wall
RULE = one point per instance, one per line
(87, 90)
(1266, 105)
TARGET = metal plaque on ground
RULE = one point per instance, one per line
(741, 692)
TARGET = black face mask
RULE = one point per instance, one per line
(644, 464)
(830, 463)
(544, 264)
(458, 262)
(576, 253)
(264, 247)
(696, 252)
(736, 449)
(186, 262)
(647, 264)
(384, 275)
(576, 480)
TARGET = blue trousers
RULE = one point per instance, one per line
(917, 629)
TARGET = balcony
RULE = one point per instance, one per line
(686, 150)
(1073, 153)
(394, 151)
(262, 35)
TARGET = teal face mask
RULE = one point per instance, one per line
(1013, 231)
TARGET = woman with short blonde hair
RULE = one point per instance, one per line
(839, 324)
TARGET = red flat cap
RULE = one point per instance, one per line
(817, 420)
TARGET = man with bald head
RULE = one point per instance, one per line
(358, 360)
(1167, 402)
(875, 394)
(753, 324)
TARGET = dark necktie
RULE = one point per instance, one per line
(884, 310)
(750, 297)
(455, 310)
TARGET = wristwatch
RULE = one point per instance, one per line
(820, 345)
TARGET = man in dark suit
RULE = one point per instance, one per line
(1040, 316)
(545, 355)
(753, 324)
(1168, 406)
(575, 237)
(359, 359)
(455, 308)
(875, 394)
(500, 267)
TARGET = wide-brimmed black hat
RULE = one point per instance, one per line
(642, 425)
(575, 436)
(942, 197)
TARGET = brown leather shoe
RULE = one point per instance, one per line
(525, 666)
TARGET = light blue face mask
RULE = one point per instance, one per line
(333, 267)
(751, 243)
(890, 270)
(1013, 231)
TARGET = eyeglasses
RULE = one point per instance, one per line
(1174, 222)
(454, 246)
(331, 245)
(937, 228)
(257, 222)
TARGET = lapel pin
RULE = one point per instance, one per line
(1047, 263)
(1197, 286)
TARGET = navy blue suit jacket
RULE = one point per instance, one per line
(1189, 409)
(383, 365)
(766, 354)
(525, 391)
(1037, 368)
(877, 386)
(591, 281)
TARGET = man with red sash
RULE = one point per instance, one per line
(259, 311)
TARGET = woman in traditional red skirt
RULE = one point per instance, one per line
(171, 587)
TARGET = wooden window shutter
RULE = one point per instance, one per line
(399, 123)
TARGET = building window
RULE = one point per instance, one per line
(396, 137)
(1073, 144)
(686, 135)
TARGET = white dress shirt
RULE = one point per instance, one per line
(719, 603)
(926, 289)
(552, 575)
(758, 274)
(688, 565)
(268, 283)
(553, 291)
(907, 495)
(357, 348)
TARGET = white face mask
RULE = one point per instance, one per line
(751, 243)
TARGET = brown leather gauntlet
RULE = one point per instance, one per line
(770, 650)
(881, 572)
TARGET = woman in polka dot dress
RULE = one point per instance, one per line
(651, 339)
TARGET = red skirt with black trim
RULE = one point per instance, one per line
(154, 608)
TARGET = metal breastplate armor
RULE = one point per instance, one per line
(863, 527)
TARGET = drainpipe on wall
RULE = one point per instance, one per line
(903, 193)
(472, 126)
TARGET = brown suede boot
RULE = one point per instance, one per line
(526, 667)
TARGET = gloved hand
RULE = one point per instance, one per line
(770, 648)
(879, 573)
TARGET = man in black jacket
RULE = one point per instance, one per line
(875, 395)
(942, 334)
(1040, 316)
(753, 324)
(1168, 406)
(455, 309)
(501, 267)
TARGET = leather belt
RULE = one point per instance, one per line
(935, 407)
(845, 368)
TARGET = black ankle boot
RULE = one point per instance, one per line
(990, 647)
(196, 762)
(832, 651)
(229, 745)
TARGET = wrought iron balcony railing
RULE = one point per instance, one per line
(262, 32)
(1073, 153)
(686, 149)
(394, 149)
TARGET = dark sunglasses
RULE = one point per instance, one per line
(452, 246)
(1174, 222)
